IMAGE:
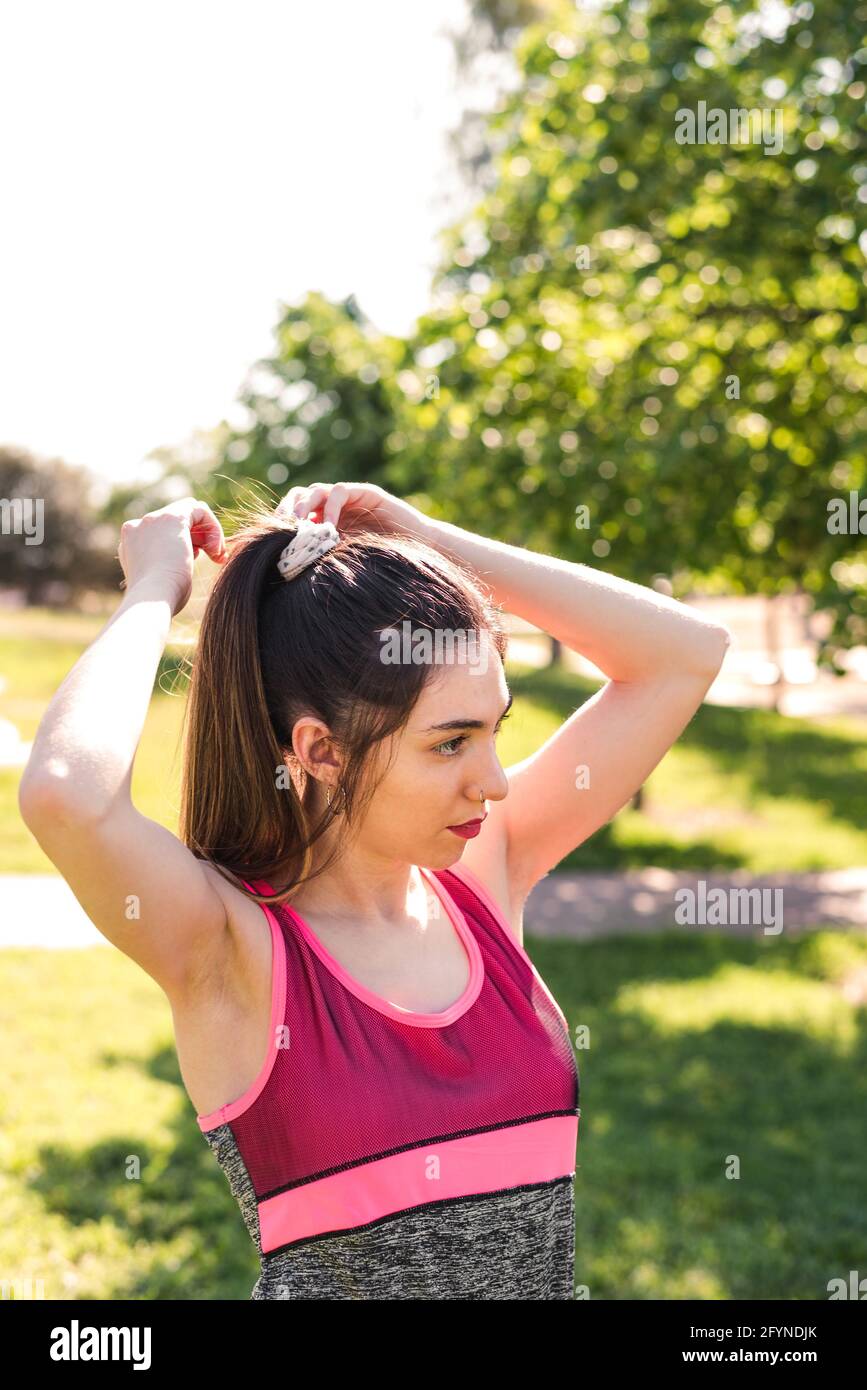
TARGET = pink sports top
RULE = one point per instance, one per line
(386, 1154)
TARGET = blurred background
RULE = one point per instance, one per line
(457, 250)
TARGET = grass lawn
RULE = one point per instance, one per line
(740, 789)
(704, 1052)
(707, 1054)
(745, 789)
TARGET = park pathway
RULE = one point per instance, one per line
(41, 910)
(641, 900)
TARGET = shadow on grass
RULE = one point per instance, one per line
(182, 1190)
(673, 1085)
(778, 757)
(677, 1081)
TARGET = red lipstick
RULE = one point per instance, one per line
(469, 829)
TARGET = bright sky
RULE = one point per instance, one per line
(169, 171)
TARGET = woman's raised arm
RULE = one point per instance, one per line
(144, 890)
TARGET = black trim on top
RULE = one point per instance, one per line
(420, 1207)
(423, 1142)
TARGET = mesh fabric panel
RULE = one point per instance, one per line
(355, 1084)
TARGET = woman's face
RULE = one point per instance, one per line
(437, 774)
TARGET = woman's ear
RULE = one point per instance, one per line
(292, 767)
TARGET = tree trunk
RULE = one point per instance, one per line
(772, 643)
(556, 658)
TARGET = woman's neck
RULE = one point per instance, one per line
(369, 897)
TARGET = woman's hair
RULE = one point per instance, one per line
(271, 650)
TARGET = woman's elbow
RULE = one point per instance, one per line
(716, 640)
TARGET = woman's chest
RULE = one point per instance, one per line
(424, 970)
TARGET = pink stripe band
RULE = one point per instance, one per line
(538, 1151)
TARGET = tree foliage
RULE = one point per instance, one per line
(647, 354)
(671, 335)
(320, 407)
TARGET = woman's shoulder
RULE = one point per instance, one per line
(248, 960)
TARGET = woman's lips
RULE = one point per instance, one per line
(469, 829)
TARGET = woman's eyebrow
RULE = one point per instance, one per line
(467, 723)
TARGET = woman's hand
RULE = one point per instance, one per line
(357, 506)
(166, 542)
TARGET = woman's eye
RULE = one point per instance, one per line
(453, 744)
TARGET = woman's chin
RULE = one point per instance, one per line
(444, 855)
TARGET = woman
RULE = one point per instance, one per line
(384, 1077)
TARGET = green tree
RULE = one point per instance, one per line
(670, 335)
(320, 407)
(483, 48)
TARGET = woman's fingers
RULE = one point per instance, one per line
(288, 504)
(314, 498)
(336, 498)
(328, 499)
(206, 533)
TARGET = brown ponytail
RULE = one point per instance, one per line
(270, 650)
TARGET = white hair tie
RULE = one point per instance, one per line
(312, 539)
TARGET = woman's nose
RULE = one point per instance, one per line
(493, 781)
